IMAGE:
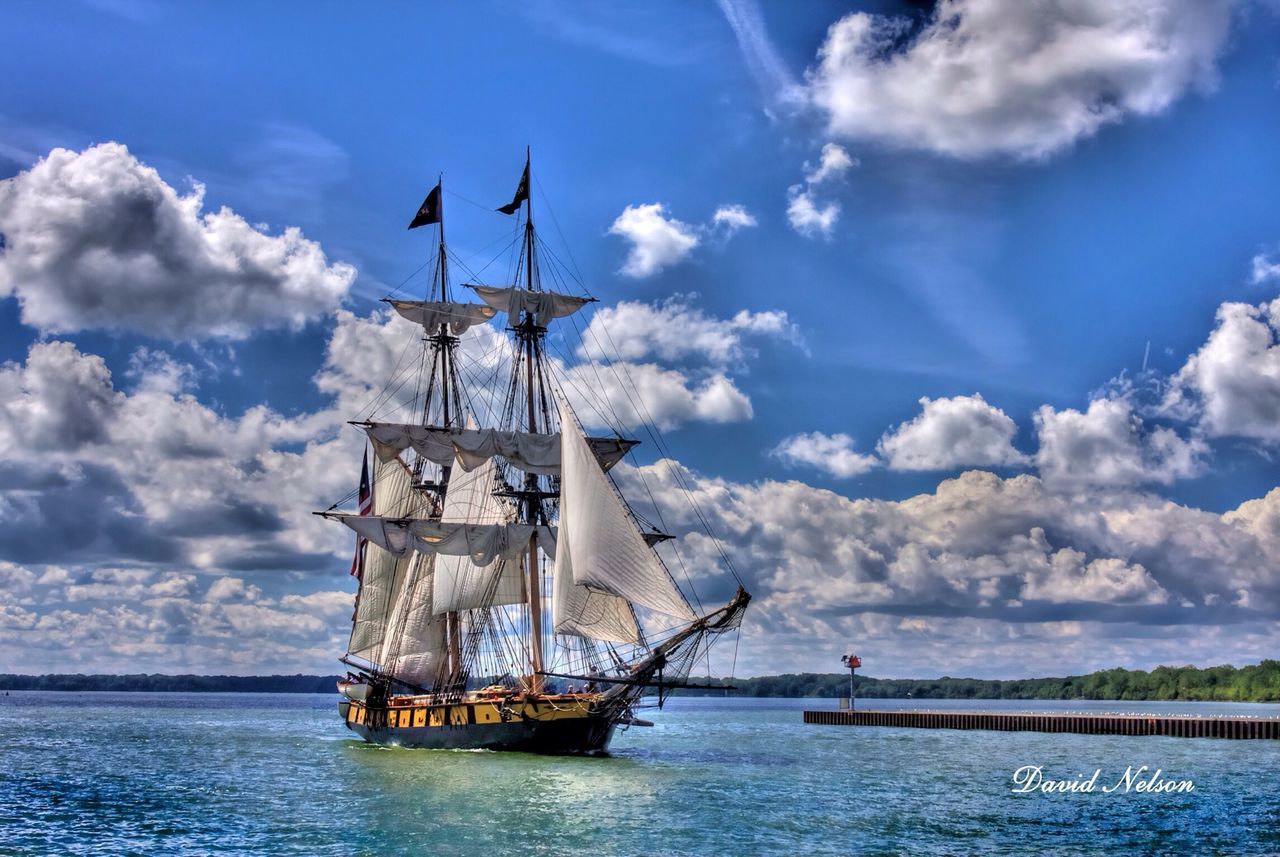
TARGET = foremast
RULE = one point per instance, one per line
(529, 339)
(444, 359)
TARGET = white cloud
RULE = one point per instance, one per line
(806, 216)
(1264, 270)
(625, 395)
(619, 394)
(834, 163)
(833, 454)
(1065, 576)
(232, 589)
(1109, 445)
(94, 474)
(1008, 77)
(158, 372)
(146, 620)
(613, 387)
(949, 433)
(1038, 574)
(730, 218)
(98, 240)
(657, 241)
(1232, 384)
(675, 329)
(805, 213)
(141, 494)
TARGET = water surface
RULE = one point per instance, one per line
(131, 773)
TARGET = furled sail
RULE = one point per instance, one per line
(481, 542)
(543, 306)
(382, 570)
(431, 314)
(460, 584)
(606, 550)
(532, 453)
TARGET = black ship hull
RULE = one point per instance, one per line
(579, 737)
(528, 727)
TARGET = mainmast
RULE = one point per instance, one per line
(527, 333)
(443, 344)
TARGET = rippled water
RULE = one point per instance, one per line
(153, 774)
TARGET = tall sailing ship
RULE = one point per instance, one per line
(509, 598)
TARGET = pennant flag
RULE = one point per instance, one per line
(522, 192)
(429, 212)
(366, 508)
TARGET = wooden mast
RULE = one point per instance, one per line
(443, 344)
(533, 580)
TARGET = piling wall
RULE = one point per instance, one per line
(1085, 724)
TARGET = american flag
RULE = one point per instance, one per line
(366, 507)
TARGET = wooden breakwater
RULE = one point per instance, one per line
(1084, 724)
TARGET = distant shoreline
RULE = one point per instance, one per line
(1254, 683)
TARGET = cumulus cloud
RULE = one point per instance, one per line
(1037, 571)
(675, 329)
(151, 620)
(1231, 385)
(833, 163)
(157, 371)
(98, 240)
(1108, 444)
(728, 219)
(1264, 269)
(833, 454)
(1007, 77)
(806, 214)
(95, 474)
(1067, 575)
(232, 589)
(657, 241)
(609, 386)
(949, 433)
(809, 218)
(625, 395)
(118, 504)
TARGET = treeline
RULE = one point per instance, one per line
(156, 682)
(1257, 683)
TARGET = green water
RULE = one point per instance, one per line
(278, 774)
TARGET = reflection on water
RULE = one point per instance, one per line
(236, 773)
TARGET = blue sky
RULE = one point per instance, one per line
(832, 211)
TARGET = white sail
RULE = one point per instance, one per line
(532, 453)
(413, 647)
(460, 584)
(607, 550)
(543, 306)
(482, 543)
(584, 612)
(431, 314)
(382, 570)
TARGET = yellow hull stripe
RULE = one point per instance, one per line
(464, 713)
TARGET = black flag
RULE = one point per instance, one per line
(430, 210)
(522, 192)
